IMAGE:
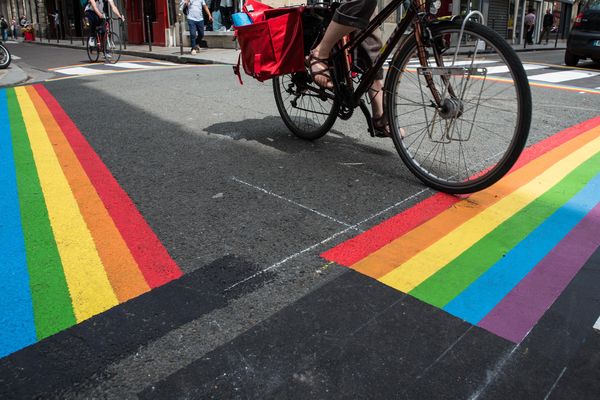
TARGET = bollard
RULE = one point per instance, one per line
(71, 32)
(123, 28)
(180, 19)
(556, 40)
(149, 38)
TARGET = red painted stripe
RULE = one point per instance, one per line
(359, 247)
(153, 259)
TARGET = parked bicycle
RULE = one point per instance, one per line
(456, 95)
(5, 57)
(108, 43)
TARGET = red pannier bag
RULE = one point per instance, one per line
(273, 46)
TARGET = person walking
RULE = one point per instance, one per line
(529, 26)
(4, 28)
(14, 25)
(547, 24)
(195, 20)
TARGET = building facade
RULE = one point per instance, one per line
(156, 21)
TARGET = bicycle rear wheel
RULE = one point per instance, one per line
(113, 48)
(305, 109)
(92, 50)
(473, 133)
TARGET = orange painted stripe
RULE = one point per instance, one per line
(123, 273)
(405, 247)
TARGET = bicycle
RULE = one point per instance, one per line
(5, 57)
(455, 125)
(107, 43)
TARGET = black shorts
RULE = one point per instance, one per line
(356, 13)
(95, 22)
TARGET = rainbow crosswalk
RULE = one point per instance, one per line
(72, 242)
(501, 257)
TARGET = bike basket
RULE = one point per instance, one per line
(274, 46)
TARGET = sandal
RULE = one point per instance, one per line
(313, 60)
(381, 127)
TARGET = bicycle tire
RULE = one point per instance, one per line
(113, 48)
(314, 116)
(5, 57)
(92, 51)
(491, 163)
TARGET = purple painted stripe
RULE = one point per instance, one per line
(519, 311)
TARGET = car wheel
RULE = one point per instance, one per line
(571, 59)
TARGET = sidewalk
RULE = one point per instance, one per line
(227, 56)
(172, 54)
(11, 76)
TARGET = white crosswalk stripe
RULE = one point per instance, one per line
(101, 68)
(128, 65)
(597, 325)
(501, 69)
(563, 76)
(15, 57)
(78, 71)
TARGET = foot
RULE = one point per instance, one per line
(381, 127)
(319, 70)
(193, 51)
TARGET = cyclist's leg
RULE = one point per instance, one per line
(94, 21)
(348, 17)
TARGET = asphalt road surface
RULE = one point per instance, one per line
(245, 210)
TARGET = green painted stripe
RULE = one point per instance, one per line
(456, 276)
(52, 307)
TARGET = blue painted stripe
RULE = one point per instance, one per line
(17, 328)
(487, 291)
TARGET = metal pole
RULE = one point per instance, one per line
(71, 31)
(556, 40)
(180, 20)
(149, 36)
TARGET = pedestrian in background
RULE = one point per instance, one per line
(547, 24)
(14, 25)
(529, 25)
(4, 28)
(195, 21)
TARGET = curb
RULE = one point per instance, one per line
(179, 59)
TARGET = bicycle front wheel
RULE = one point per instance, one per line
(113, 48)
(306, 109)
(4, 57)
(92, 48)
(461, 118)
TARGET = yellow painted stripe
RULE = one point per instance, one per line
(88, 284)
(427, 262)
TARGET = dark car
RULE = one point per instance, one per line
(584, 39)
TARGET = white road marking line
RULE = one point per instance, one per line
(597, 325)
(501, 69)
(163, 63)
(555, 383)
(293, 202)
(78, 71)
(562, 76)
(322, 242)
(15, 57)
(598, 88)
(448, 63)
(129, 65)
